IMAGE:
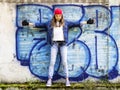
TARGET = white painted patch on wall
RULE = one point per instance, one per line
(10, 68)
(114, 2)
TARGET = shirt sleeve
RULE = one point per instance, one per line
(40, 25)
(73, 24)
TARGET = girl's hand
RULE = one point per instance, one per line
(25, 23)
(90, 21)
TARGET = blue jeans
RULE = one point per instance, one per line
(63, 52)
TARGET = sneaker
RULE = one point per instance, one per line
(49, 83)
(68, 83)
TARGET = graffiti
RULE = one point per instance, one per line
(92, 49)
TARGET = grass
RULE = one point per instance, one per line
(87, 85)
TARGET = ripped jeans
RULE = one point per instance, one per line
(63, 51)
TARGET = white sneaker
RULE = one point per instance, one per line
(67, 83)
(49, 83)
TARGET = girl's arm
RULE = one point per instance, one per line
(75, 24)
(39, 25)
(36, 25)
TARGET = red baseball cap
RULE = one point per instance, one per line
(58, 11)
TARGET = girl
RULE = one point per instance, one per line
(58, 38)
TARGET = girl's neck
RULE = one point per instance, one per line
(57, 23)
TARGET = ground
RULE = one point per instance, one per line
(88, 85)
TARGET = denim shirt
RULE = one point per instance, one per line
(49, 28)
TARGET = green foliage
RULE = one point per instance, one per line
(86, 85)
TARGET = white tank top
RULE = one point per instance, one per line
(58, 34)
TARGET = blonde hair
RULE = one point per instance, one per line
(53, 22)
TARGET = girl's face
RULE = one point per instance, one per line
(58, 17)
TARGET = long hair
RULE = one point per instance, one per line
(53, 22)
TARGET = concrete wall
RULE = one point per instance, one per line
(55, 1)
(97, 45)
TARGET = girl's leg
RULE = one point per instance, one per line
(63, 51)
(54, 50)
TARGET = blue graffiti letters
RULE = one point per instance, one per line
(92, 48)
